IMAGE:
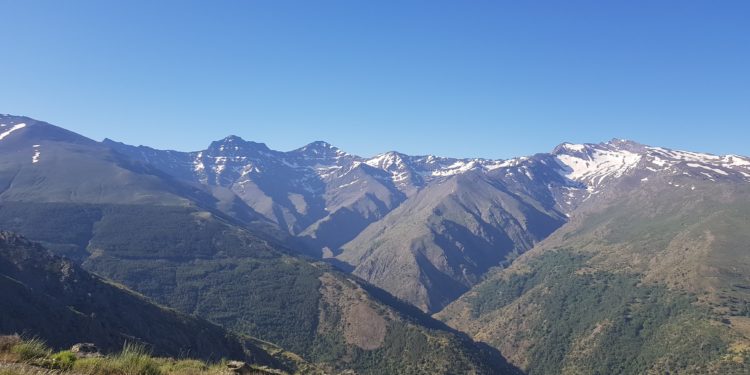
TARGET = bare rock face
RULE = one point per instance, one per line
(85, 350)
(362, 325)
(242, 368)
(239, 367)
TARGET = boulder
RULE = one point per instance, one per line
(85, 350)
(239, 367)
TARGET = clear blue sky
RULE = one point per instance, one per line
(455, 78)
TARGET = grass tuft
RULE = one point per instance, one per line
(136, 360)
(31, 356)
(30, 350)
(133, 360)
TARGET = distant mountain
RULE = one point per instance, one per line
(650, 274)
(44, 163)
(424, 228)
(174, 240)
(311, 190)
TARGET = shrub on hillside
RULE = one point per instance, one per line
(62, 360)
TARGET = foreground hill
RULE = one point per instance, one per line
(173, 241)
(51, 298)
(650, 275)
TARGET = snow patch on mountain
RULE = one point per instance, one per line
(719, 171)
(11, 130)
(573, 147)
(37, 154)
(593, 165)
(723, 165)
(388, 161)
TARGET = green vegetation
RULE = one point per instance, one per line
(200, 264)
(595, 322)
(63, 360)
(133, 360)
(64, 228)
(275, 300)
(30, 350)
(643, 281)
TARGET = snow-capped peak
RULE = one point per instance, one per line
(388, 161)
(706, 164)
(236, 145)
(566, 146)
(594, 164)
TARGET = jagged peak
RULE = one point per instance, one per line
(392, 154)
(233, 138)
(320, 144)
(319, 147)
(388, 159)
(626, 145)
(236, 143)
(587, 148)
(568, 147)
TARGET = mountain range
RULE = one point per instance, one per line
(649, 275)
(204, 252)
(592, 258)
(424, 228)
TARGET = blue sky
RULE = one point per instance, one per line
(455, 78)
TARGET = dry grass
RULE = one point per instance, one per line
(19, 356)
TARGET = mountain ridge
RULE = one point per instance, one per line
(323, 199)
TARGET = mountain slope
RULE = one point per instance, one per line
(187, 255)
(649, 275)
(44, 163)
(440, 242)
(63, 304)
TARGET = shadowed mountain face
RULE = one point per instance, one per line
(174, 240)
(52, 298)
